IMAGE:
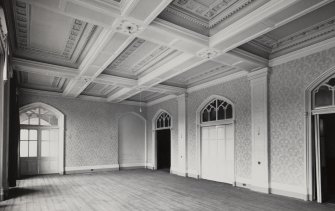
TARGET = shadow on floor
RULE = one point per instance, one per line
(18, 191)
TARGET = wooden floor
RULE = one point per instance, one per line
(142, 190)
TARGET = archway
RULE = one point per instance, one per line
(320, 147)
(162, 125)
(215, 139)
(132, 141)
(41, 145)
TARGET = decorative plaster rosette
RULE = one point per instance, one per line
(128, 27)
(208, 53)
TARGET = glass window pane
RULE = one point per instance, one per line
(205, 116)
(229, 112)
(23, 148)
(32, 134)
(331, 82)
(45, 135)
(43, 122)
(32, 148)
(221, 113)
(157, 124)
(45, 149)
(323, 97)
(24, 118)
(23, 134)
(212, 116)
(33, 121)
(166, 122)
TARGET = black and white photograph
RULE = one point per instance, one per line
(148, 105)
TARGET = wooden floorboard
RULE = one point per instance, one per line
(142, 190)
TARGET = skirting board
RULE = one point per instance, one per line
(193, 174)
(243, 183)
(132, 165)
(275, 188)
(177, 172)
(150, 166)
(84, 169)
(288, 190)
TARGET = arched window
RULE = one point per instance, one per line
(163, 121)
(217, 110)
(38, 116)
(323, 95)
(36, 123)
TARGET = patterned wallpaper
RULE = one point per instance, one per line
(170, 106)
(238, 91)
(288, 83)
(91, 129)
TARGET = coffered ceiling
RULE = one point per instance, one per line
(130, 51)
(208, 16)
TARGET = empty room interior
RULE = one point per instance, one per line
(167, 105)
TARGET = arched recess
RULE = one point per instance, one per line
(131, 136)
(221, 123)
(323, 86)
(60, 123)
(156, 117)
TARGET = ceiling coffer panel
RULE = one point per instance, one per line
(42, 82)
(203, 16)
(99, 90)
(47, 36)
(136, 59)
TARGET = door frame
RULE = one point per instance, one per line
(61, 123)
(199, 125)
(310, 140)
(154, 137)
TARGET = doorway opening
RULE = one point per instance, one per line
(163, 149)
(216, 139)
(41, 144)
(162, 136)
(322, 145)
(325, 156)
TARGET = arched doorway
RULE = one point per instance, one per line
(162, 124)
(41, 145)
(320, 138)
(132, 141)
(215, 139)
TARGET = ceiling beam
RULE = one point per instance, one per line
(71, 73)
(267, 17)
(112, 42)
(181, 63)
(43, 68)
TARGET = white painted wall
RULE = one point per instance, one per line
(131, 141)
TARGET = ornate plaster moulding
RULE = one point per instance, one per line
(208, 53)
(128, 27)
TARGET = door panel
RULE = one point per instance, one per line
(217, 153)
(39, 151)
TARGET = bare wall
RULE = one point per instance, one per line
(287, 86)
(131, 140)
(91, 128)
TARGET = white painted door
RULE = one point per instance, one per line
(217, 153)
(38, 151)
